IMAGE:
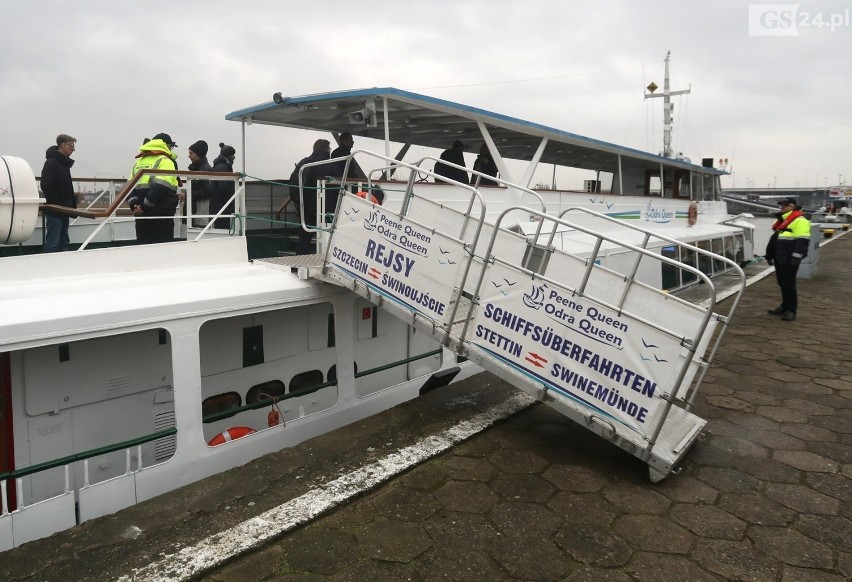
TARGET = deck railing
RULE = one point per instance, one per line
(67, 461)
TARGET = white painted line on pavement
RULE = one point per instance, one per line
(217, 549)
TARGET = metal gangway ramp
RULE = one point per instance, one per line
(617, 356)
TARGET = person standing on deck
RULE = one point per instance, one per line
(454, 155)
(484, 163)
(787, 247)
(200, 188)
(58, 189)
(155, 195)
(220, 191)
(310, 177)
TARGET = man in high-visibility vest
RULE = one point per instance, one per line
(787, 247)
(155, 195)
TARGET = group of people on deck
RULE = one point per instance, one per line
(455, 155)
(154, 199)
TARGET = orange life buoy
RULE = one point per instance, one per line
(692, 215)
(365, 195)
(232, 434)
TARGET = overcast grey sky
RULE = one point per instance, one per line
(112, 72)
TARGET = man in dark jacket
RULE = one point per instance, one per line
(200, 188)
(222, 191)
(58, 189)
(787, 247)
(310, 179)
(484, 163)
(454, 155)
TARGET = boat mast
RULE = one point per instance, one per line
(668, 106)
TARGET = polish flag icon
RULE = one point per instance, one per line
(374, 273)
(536, 360)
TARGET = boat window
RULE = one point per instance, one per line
(653, 184)
(681, 188)
(707, 188)
(305, 380)
(671, 274)
(220, 403)
(265, 391)
(688, 256)
(717, 247)
(332, 372)
(705, 263)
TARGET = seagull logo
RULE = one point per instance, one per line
(536, 360)
(499, 285)
(647, 345)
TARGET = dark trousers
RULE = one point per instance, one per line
(786, 277)
(56, 233)
(155, 230)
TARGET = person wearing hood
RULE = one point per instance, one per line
(454, 155)
(155, 197)
(222, 191)
(58, 189)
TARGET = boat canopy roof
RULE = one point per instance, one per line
(428, 121)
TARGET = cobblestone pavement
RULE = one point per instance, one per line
(763, 495)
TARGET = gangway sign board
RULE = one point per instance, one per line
(406, 262)
(615, 366)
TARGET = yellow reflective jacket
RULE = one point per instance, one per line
(157, 194)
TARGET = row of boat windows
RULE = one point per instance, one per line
(730, 247)
(273, 389)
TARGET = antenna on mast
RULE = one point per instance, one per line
(668, 106)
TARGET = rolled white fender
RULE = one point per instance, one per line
(19, 200)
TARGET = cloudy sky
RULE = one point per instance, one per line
(112, 72)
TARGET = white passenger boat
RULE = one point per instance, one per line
(128, 372)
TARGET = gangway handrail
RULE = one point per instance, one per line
(652, 234)
(691, 344)
(470, 247)
(649, 233)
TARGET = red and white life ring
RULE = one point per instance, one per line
(232, 434)
(692, 214)
(367, 196)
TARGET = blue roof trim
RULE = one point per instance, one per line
(392, 91)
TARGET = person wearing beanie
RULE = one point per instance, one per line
(221, 191)
(199, 148)
(200, 189)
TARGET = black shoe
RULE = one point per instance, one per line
(789, 316)
(776, 311)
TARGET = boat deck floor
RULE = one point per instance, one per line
(764, 494)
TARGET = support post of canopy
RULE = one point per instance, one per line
(495, 154)
(528, 174)
(620, 179)
(387, 126)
